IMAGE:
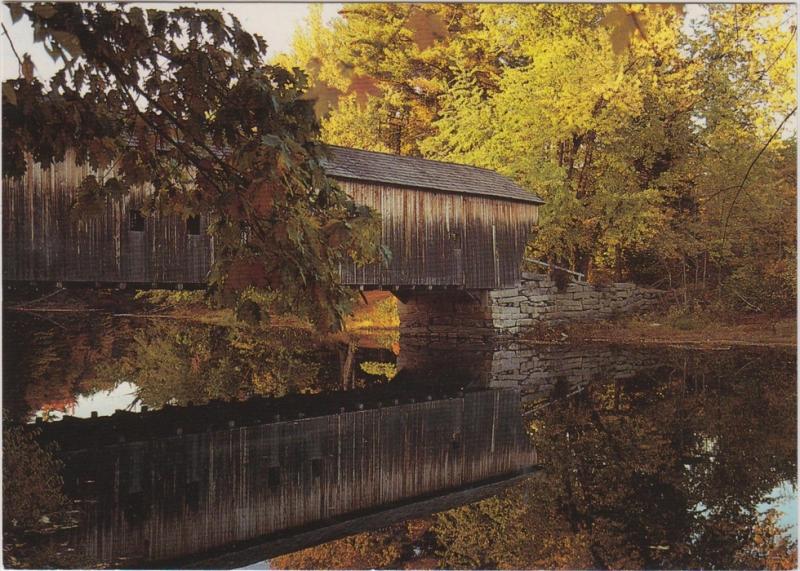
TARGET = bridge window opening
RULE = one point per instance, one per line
(274, 477)
(244, 228)
(136, 222)
(135, 508)
(193, 225)
(193, 495)
(316, 468)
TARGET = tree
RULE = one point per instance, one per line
(384, 67)
(658, 140)
(182, 101)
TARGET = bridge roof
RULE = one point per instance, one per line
(356, 164)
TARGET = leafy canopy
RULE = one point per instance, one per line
(654, 134)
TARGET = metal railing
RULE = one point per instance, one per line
(578, 275)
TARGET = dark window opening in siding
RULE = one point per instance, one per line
(316, 468)
(136, 221)
(193, 495)
(136, 509)
(274, 477)
(193, 225)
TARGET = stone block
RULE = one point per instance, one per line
(503, 293)
(584, 295)
(540, 297)
(534, 276)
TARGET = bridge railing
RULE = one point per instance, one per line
(578, 275)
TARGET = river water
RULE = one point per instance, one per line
(647, 458)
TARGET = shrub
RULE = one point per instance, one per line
(770, 288)
(32, 484)
(561, 278)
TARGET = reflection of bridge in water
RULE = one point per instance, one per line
(226, 484)
(175, 493)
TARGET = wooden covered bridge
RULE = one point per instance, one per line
(447, 225)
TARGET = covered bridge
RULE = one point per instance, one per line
(446, 225)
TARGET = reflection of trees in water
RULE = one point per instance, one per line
(47, 367)
(665, 470)
(173, 363)
(46, 364)
(632, 481)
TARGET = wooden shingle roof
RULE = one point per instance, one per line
(368, 166)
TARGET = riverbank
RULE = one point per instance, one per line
(697, 331)
(376, 312)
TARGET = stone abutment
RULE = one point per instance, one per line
(484, 315)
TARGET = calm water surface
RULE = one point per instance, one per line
(656, 458)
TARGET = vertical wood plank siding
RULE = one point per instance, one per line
(174, 497)
(41, 241)
(435, 238)
(443, 239)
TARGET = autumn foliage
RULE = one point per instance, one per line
(659, 135)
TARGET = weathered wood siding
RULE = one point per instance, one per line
(41, 242)
(436, 238)
(443, 239)
(182, 496)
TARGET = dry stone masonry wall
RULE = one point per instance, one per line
(537, 300)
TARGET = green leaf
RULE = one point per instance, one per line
(54, 52)
(115, 188)
(136, 17)
(69, 42)
(16, 11)
(45, 11)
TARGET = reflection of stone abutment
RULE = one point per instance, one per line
(541, 371)
(182, 497)
(536, 370)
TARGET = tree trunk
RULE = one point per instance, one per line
(685, 291)
(346, 365)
